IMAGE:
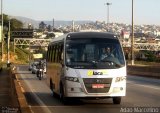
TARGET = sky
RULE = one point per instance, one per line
(145, 11)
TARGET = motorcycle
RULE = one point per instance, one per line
(40, 74)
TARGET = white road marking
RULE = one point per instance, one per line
(147, 86)
(31, 109)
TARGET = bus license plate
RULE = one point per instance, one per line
(97, 85)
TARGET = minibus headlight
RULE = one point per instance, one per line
(73, 79)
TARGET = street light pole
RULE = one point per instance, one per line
(73, 26)
(132, 40)
(8, 42)
(2, 30)
(108, 12)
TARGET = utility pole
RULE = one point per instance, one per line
(132, 40)
(53, 24)
(2, 30)
(8, 42)
(73, 26)
(108, 4)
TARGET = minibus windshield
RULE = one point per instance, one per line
(94, 53)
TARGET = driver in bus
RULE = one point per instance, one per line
(106, 53)
(70, 56)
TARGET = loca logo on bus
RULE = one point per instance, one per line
(97, 73)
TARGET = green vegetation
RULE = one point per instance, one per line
(145, 57)
(22, 56)
(14, 24)
(151, 57)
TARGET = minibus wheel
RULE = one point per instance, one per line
(51, 87)
(61, 92)
(63, 99)
(116, 100)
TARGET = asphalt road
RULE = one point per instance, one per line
(142, 94)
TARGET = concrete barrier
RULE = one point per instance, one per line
(144, 70)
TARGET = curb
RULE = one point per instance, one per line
(24, 107)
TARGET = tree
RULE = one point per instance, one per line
(14, 24)
(42, 26)
(151, 57)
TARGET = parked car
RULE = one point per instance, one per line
(30, 66)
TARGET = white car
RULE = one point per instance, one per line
(30, 66)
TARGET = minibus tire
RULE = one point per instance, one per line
(51, 87)
(63, 99)
(116, 100)
(40, 76)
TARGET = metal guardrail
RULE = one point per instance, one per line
(147, 46)
(31, 42)
(143, 46)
